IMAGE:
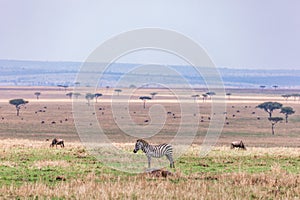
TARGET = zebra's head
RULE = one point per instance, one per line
(139, 145)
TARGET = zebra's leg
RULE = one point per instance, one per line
(170, 158)
(172, 165)
(149, 161)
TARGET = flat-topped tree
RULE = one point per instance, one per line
(18, 103)
(274, 121)
(275, 87)
(195, 96)
(70, 94)
(153, 94)
(37, 94)
(77, 84)
(210, 94)
(97, 95)
(145, 98)
(262, 87)
(76, 94)
(287, 111)
(63, 86)
(286, 96)
(118, 91)
(89, 97)
(204, 97)
(269, 107)
(228, 94)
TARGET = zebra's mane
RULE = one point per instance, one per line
(143, 141)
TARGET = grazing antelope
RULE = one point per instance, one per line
(238, 144)
(56, 142)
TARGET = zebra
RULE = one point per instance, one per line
(155, 151)
(56, 142)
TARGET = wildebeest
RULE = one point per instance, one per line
(238, 144)
(56, 142)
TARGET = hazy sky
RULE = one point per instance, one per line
(235, 33)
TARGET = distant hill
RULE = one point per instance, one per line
(38, 73)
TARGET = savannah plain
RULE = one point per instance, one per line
(30, 169)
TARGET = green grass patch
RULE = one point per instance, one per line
(51, 166)
(236, 163)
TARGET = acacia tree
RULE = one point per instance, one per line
(76, 94)
(70, 94)
(275, 87)
(37, 94)
(145, 98)
(97, 95)
(210, 94)
(228, 95)
(262, 87)
(287, 111)
(204, 97)
(63, 86)
(18, 103)
(286, 96)
(195, 96)
(118, 91)
(89, 97)
(269, 107)
(77, 84)
(274, 121)
(153, 94)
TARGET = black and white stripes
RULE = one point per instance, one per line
(156, 151)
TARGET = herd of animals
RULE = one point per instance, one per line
(155, 151)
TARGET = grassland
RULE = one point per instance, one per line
(30, 169)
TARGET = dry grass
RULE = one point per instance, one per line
(224, 186)
(7, 144)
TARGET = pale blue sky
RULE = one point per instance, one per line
(235, 33)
